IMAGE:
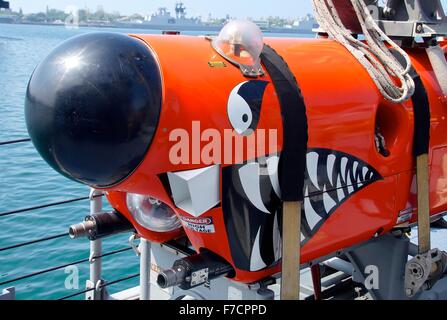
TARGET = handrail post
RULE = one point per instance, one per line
(145, 262)
(95, 280)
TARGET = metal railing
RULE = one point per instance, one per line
(24, 244)
(48, 205)
(95, 285)
(63, 266)
(100, 287)
(4, 143)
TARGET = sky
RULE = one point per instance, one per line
(218, 9)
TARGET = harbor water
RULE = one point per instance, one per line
(26, 181)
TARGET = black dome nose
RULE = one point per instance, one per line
(93, 105)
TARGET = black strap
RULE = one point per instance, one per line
(421, 109)
(292, 165)
(421, 106)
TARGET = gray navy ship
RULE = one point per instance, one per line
(163, 20)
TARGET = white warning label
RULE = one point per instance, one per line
(201, 225)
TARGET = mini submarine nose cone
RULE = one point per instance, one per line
(93, 105)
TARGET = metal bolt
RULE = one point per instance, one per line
(419, 28)
(409, 292)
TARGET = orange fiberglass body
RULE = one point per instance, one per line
(353, 192)
(343, 109)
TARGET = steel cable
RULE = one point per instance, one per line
(4, 143)
(100, 287)
(44, 271)
(54, 204)
(34, 242)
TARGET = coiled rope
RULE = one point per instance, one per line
(393, 80)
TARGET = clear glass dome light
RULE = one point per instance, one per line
(241, 43)
(152, 214)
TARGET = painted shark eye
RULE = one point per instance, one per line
(239, 113)
(244, 106)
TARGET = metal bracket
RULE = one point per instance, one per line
(134, 246)
(423, 271)
(254, 71)
(262, 290)
(98, 292)
(388, 255)
(95, 193)
(415, 18)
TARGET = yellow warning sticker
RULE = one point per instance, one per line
(217, 64)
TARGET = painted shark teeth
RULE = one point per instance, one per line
(256, 261)
(328, 202)
(340, 192)
(251, 207)
(312, 167)
(272, 167)
(312, 216)
(250, 178)
(329, 170)
(331, 178)
(251, 202)
(330, 167)
(249, 175)
(277, 243)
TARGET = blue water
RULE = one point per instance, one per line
(26, 180)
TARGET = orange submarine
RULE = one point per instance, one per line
(156, 122)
